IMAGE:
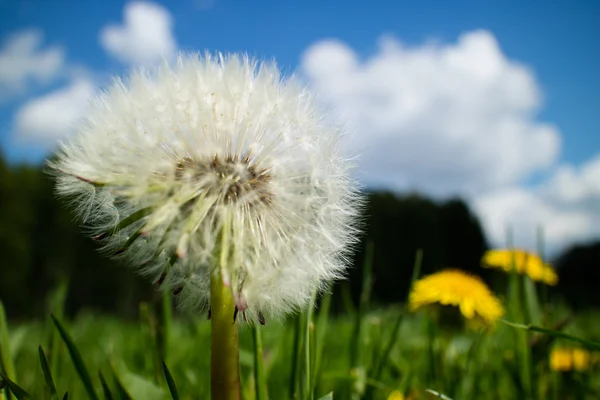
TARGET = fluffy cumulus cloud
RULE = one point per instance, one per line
(566, 206)
(525, 211)
(458, 118)
(442, 118)
(24, 60)
(44, 120)
(144, 38)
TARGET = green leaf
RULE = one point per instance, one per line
(47, 374)
(105, 388)
(77, 360)
(170, 382)
(15, 389)
(66, 396)
(328, 396)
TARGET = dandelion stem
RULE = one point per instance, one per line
(225, 378)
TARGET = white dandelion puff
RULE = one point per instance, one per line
(165, 162)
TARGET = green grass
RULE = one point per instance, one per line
(364, 354)
(468, 365)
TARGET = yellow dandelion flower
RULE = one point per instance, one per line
(396, 395)
(581, 359)
(456, 288)
(526, 263)
(563, 359)
(560, 360)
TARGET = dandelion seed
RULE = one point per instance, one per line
(526, 263)
(456, 288)
(164, 163)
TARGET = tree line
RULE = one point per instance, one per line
(41, 244)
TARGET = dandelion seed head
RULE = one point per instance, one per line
(166, 162)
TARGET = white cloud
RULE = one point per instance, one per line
(567, 206)
(524, 211)
(442, 118)
(144, 38)
(459, 119)
(576, 186)
(23, 61)
(44, 120)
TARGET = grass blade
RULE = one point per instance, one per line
(533, 328)
(516, 312)
(166, 323)
(365, 296)
(308, 351)
(328, 396)
(295, 356)
(47, 374)
(66, 396)
(15, 389)
(357, 368)
(150, 333)
(438, 394)
(56, 302)
(322, 320)
(77, 360)
(383, 357)
(312, 377)
(170, 382)
(260, 379)
(105, 388)
(6, 362)
(122, 394)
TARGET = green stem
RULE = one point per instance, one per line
(309, 350)
(260, 379)
(295, 357)
(167, 321)
(225, 365)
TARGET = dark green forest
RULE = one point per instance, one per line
(41, 244)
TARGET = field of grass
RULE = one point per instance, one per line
(364, 354)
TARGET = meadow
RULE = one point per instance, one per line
(364, 352)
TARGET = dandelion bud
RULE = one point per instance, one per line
(215, 157)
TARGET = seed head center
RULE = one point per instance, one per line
(233, 178)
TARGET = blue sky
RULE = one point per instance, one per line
(558, 39)
(554, 43)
